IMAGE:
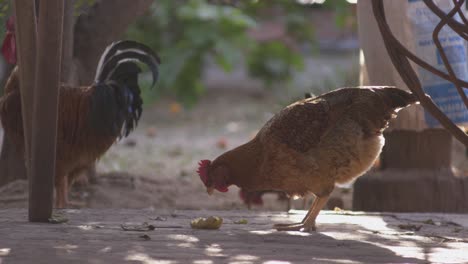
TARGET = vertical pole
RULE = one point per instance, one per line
(25, 31)
(43, 143)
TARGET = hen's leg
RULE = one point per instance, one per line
(303, 207)
(307, 215)
(248, 200)
(61, 190)
(308, 223)
(288, 206)
(304, 202)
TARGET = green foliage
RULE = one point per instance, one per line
(341, 9)
(5, 8)
(4, 11)
(273, 62)
(81, 5)
(189, 34)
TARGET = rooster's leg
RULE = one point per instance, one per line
(61, 189)
(308, 223)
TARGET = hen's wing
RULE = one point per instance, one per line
(303, 124)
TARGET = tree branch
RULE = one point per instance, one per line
(106, 22)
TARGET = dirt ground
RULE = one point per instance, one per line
(155, 166)
(150, 178)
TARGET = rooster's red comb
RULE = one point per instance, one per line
(203, 170)
(10, 23)
(9, 44)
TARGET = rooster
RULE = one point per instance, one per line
(90, 118)
(309, 146)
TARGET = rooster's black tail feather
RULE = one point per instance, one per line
(116, 102)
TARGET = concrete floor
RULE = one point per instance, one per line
(97, 236)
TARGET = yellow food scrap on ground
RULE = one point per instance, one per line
(212, 222)
(241, 222)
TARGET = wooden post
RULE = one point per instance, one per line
(415, 173)
(25, 30)
(43, 147)
(376, 65)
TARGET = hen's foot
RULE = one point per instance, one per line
(285, 225)
(295, 227)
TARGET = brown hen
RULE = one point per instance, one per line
(310, 146)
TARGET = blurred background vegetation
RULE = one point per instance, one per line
(241, 61)
(190, 35)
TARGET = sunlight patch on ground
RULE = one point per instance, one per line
(344, 261)
(273, 231)
(85, 227)
(339, 235)
(440, 255)
(146, 259)
(185, 238)
(214, 250)
(245, 258)
(105, 250)
(203, 261)
(367, 222)
(404, 251)
(262, 232)
(67, 248)
(186, 245)
(4, 252)
(298, 233)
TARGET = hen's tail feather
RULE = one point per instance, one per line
(398, 98)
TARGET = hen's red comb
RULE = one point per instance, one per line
(203, 170)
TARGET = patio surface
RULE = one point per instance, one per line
(98, 236)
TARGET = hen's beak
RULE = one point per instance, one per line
(210, 190)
